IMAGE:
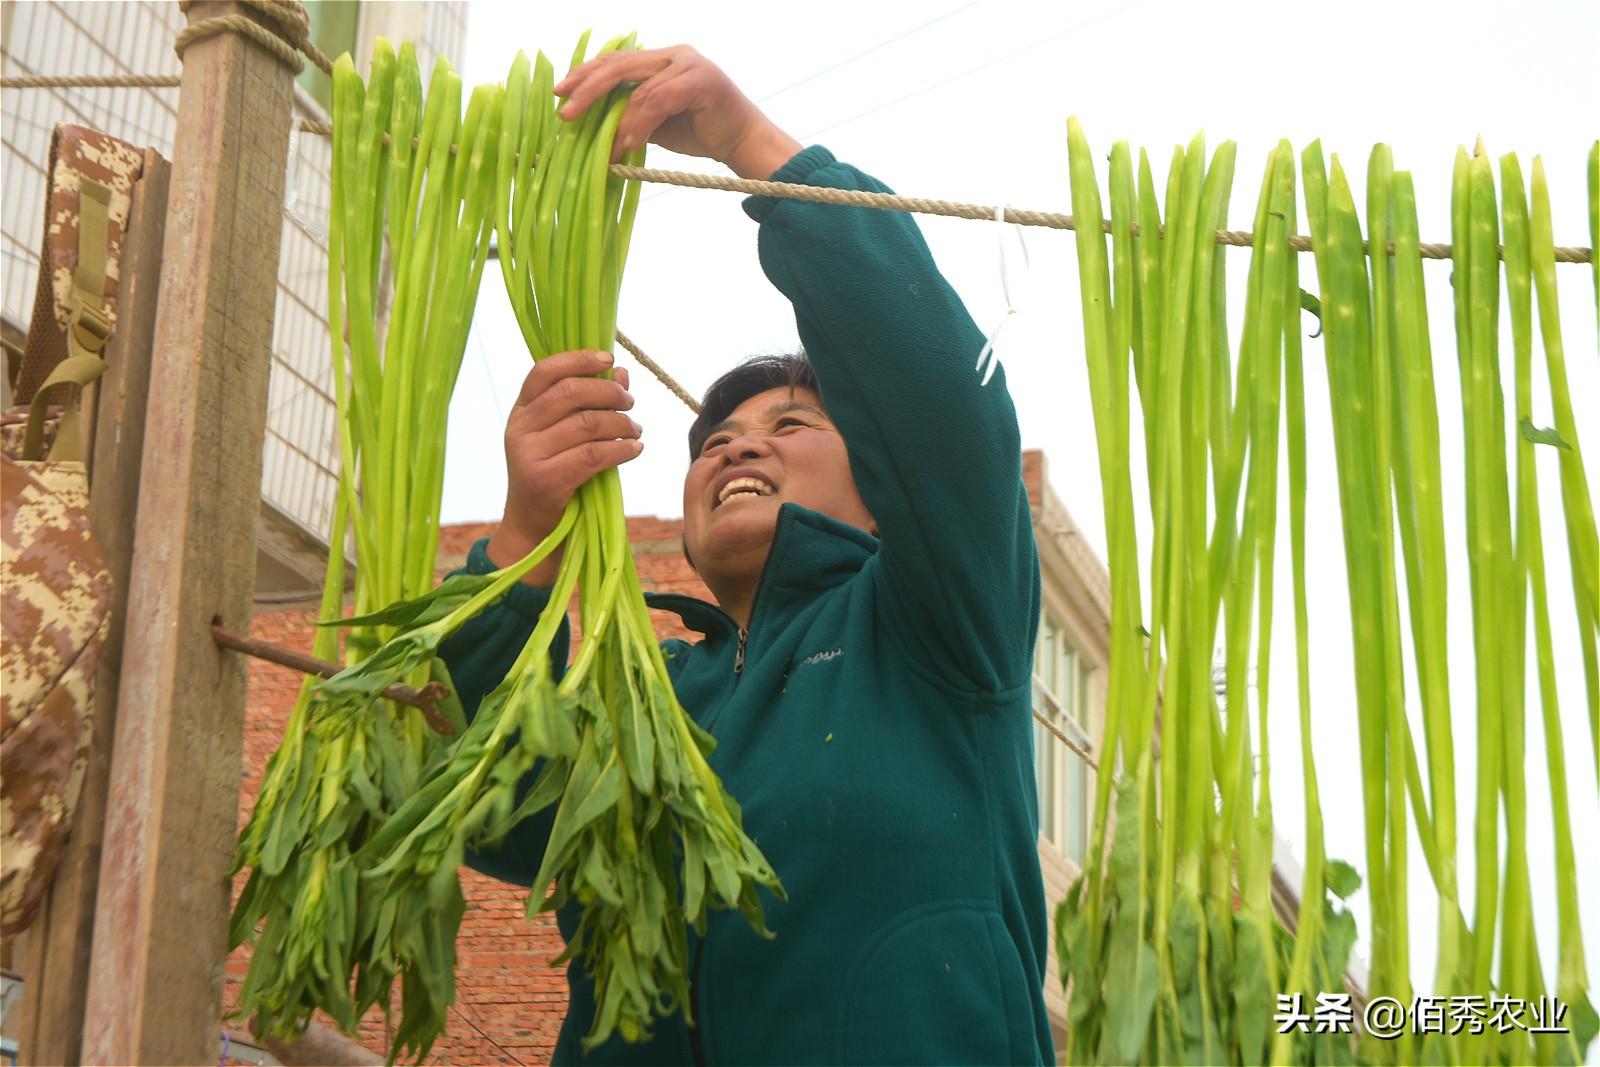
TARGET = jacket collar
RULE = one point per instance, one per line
(811, 553)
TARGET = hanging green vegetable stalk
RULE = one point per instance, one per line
(1416, 476)
(1389, 464)
(1163, 966)
(636, 801)
(1572, 981)
(1520, 961)
(1324, 935)
(1594, 223)
(1358, 350)
(1582, 543)
(1168, 941)
(322, 936)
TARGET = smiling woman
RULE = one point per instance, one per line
(774, 446)
(866, 672)
(857, 512)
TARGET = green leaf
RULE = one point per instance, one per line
(492, 801)
(401, 823)
(1194, 1031)
(364, 790)
(1125, 844)
(694, 877)
(532, 704)
(636, 735)
(1542, 435)
(1253, 999)
(1338, 938)
(702, 739)
(445, 880)
(602, 797)
(1132, 981)
(1068, 917)
(388, 666)
(248, 911)
(1309, 302)
(1220, 958)
(563, 719)
(418, 611)
(1584, 1022)
(724, 876)
(547, 789)
(1085, 1007)
(1183, 935)
(1341, 879)
(289, 827)
(591, 790)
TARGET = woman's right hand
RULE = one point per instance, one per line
(566, 427)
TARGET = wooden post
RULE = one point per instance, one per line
(161, 917)
(56, 969)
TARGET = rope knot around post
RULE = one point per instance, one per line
(288, 37)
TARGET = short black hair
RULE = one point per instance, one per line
(791, 370)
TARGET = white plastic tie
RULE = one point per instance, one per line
(989, 354)
(291, 184)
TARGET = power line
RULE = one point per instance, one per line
(863, 54)
(488, 373)
(485, 1036)
(980, 67)
(830, 68)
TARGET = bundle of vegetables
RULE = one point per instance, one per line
(1163, 966)
(1154, 919)
(645, 838)
(1387, 448)
(322, 935)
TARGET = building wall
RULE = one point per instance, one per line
(1077, 596)
(510, 1002)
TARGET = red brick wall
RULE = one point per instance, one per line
(1033, 476)
(509, 1001)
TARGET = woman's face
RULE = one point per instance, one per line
(776, 447)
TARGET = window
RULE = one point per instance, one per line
(1061, 695)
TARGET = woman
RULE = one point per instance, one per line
(861, 520)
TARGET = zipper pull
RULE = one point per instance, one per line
(738, 658)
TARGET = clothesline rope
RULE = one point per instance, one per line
(822, 194)
(660, 372)
(918, 205)
(1060, 735)
(288, 38)
(90, 81)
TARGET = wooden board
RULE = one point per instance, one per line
(292, 562)
(56, 971)
(156, 977)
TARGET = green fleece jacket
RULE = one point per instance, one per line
(874, 723)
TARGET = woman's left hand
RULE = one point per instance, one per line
(684, 103)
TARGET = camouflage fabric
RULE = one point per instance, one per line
(53, 578)
(12, 426)
(57, 595)
(75, 153)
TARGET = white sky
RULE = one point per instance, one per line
(969, 101)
